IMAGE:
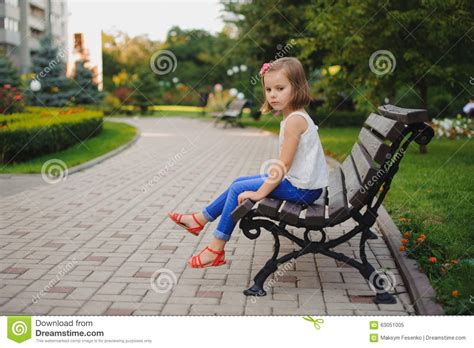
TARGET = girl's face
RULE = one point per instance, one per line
(278, 90)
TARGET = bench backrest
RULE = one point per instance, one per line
(363, 171)
(237, 105)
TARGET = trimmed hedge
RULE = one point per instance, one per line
(339, 118)
(47, 130)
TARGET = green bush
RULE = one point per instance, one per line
(46, 130)
(339, 118)
(110, 104)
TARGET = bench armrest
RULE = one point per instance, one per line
(241, 210)
(407, 116)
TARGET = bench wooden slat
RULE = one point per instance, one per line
(365, 171)
(241, 210)
(269, 207)
(389, 129)
(315, 215)
(338, 208)
(316, 212)
(358, 169)
(407, 116)
(374, 146)
(290, 212)
(231, 113)
(351, 178)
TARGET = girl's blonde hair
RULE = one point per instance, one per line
(294, 72)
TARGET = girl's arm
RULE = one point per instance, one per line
(295, 126)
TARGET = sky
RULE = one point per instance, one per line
(153, 18)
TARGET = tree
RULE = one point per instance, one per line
(266, 27)
(8, 73)
(194, 58)
(149, 91)
(50, 71)
(123, 53)
(85, 90)
(268, 30)
(202, 59)
(385, 46)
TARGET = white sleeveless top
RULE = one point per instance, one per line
(309, 168)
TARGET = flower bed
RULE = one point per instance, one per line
(434, 259)
(453, 128)
(11, 99)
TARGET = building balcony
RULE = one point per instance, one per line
(37, 23)
(9, 37)
(10, 12)
(38, 3)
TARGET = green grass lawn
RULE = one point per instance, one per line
(112, 136)
(434, 190)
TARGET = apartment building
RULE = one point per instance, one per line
(24, 22)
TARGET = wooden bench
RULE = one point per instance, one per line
(356, 190)
(233, 114)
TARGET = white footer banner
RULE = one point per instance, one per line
(202, 331)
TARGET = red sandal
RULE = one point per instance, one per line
(177, 218)
(218, 261)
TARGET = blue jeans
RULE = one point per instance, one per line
(227, 201)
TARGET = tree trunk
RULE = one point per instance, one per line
(423, 91)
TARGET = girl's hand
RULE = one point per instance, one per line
(252, 195)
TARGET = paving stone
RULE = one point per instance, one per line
(119, 311)
(175, 309)
(60, 289)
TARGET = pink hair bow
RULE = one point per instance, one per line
(264, 68)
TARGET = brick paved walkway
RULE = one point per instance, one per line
(91, 244)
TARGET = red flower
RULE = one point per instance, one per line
(432, 259)
(7, 86)
(455, 293)
(402, 248)
(404, 241)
